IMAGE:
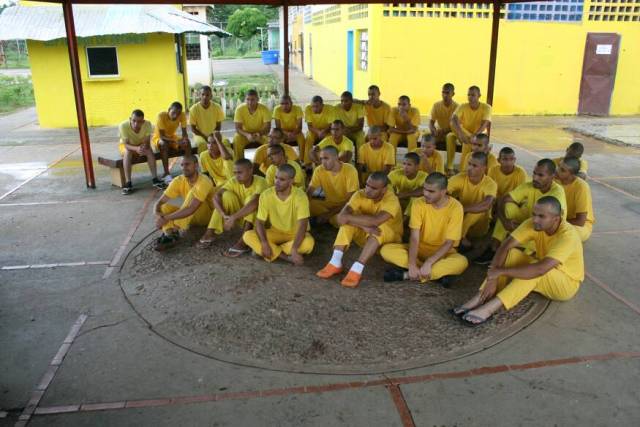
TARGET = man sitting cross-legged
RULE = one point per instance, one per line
(352, 116)
(252, 121)
(205, 118)
(430, 158)
(479, 144)
(288, 117)
(371, 218)
(436, 225)
(508, 175)
(578, 194)
(278, 158)
(337, 139)
(555, 271)
(375, 155)
(286, 209)
(404, 121)
(407, 182)
(261, 160)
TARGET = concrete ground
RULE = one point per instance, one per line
(73, 352)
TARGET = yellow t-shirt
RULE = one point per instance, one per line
(206, 119)
(389, 203)
(491, 162)
(435, 162)
(377, 116)
(252, 122)
(564, 246)
(351, 117)
(584, 165)
(578, 195)
(402, 184)
(345, 145)
(526, 195)
(336, 187)
(323, 119)
(127, 133)
(283, 215)
(467, 193)
(441, 114)
(169, 126)
(506, 183)
(220, 170)
(437, 225)
(288, 121)
(471, 119)
(261, 156)
(298, 180)
(376, 159)
(180, 187)
(245, 194)
(395, 120)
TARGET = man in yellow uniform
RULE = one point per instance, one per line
(352, 116)
(205, 118)
(441, 112)
(476, 192)
(252, 121)
(576, 149)
(337, 139)
(372, 218)
(479, 144)
(286, 209)
(332, 185)
(407, 182)
(288, 117)
(235, 203)
(165, 138)
(435, 223)
(278, 158)
(376, 155)
(430, 159)
(261, 161)
(135, 141)
(217, 161)
(468, 120)
(555, 271)
(578, 194)
(319, 118)
(195, 190)
(507, 174)
(377, 111)
(403, 124)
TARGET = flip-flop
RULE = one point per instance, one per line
(204, 244)
(459, 312)
(235, 252)
(466, 321)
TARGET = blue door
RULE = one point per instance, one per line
(350, 61)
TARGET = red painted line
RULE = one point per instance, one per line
(611, 292)
(401, 405)
(611, 187)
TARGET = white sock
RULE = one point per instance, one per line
(336, 258)
(357, 267)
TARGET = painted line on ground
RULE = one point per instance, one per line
(387, 382)
(45, 381)
(58, 264)
(401, 405)
(616, 177)
(612, 293)
(601, 233)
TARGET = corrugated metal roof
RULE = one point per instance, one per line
(47, 23)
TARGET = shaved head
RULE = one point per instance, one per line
(437, 179)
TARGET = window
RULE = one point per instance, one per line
(102, 61)
(193, 47)
(364, 50)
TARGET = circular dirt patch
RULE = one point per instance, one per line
(276, 316)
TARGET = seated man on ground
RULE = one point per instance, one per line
(337, 139)
(235, 204)
(507, 174)
(377, 111)
(319, 118)
(468, 120)
(252, 121)
(555, 271)
(205, 118)
(165, 138)
(217, 161)
(372, 218)
(376, 155)
(479, 144)
(135, 141)
(578, 194)
(430, 158)
(403, 124)
(278, 158)
(332, 185)
(286, 209)
(407, 182)
(436, 224)
(288, 117)
(576, 150)
(261, 161)
(352, 116)
(195, 190)
(441, 112)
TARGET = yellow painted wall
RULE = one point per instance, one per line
(148, 80)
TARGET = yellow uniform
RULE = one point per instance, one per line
(169, 127)
(377, 116)
(560, 283)
(375, 159)
(395, 120)
(206, 120)
(436, 226)
(298, 181)
(470, 121)
(433, 163)
(127, 134)
(441, 114)
(251, 122)
(320, 120)
(289, 121)
(261, 156)
(468, 193)
(506, 183)
(336, 188)
(219, 170)
(235, 196)
(584, 165)
(578, 195)
(491, 162)
(403, 184)
(344, 146)
(180, 187)
(283, 217)
(350, 118)
(390, 230)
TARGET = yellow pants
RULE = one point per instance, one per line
(554, 284)
(357, 138)
(300, 141)
(201, 143)
(279, 242)
(452, 264)
(475, 224)
(319, 207)
(239, 142)
(511, 211)
(309, 141)
(411, 140)
(452, 142)
(231, 204)
(584, 231)
(349, 233)
(200, 217)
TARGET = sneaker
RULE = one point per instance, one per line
(351, 280)
(127, 189)
(485, 258)
(158, 183)
(393, 274)
(328, 271)
(165, 242)
(446, 281)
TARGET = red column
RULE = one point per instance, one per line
(285, 54)
(495, 26)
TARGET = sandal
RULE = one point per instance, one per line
(459, 311)
(235, 252)
(466, 319)
(205, 244)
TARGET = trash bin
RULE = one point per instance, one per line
(270, 57)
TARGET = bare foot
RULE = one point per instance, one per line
(468, 306)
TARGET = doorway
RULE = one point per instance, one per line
(598, 73)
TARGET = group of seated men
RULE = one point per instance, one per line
(531, 231)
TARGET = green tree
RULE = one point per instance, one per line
(244, 22)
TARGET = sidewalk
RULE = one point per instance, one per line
(303, 88)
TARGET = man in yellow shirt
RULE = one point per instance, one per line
(332, 185)
(377, 111)
(252, 121)
(205, 118)
(403, 124)
(468, 120)
(286, 209)
(376, 155)
(407, 182)
(195, 190)
(217, 161)
(555, 271)
(430, 158)
(135, 141)
(319, 118)
(279, 158)
(352, 116)
(337, 139)
(261, 161)
(576, 149)
(578, 194)
(435, 223)
(507, 174)
(371, 218)
(235, 204)
(288, 117)
(479, 144)
(441, 112)
(166, 139)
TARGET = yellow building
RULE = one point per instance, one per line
(550, 59)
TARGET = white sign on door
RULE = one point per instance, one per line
(603, 49)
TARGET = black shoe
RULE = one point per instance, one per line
(446, 281)
(485, 258)
(394, 274)
(127, 189)
(165, 242)
(159, 184)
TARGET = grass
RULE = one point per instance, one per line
(15, 61)
(15, 92)
(237, 82)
